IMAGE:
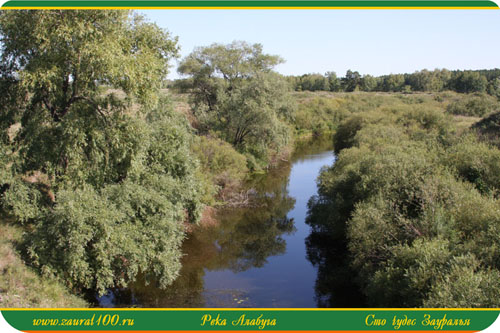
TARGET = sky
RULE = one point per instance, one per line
(372, 42)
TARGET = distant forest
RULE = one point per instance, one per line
(467, 81)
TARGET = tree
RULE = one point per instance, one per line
(368, 83)
(393, 82)
(237, 95)
(333, 81)
(494, 87)
(351, 81)
(468, 81)
(62, 60)
(314, 82)
(104, 177)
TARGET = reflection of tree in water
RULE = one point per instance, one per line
(244, 238)
(327, 250)
(250, 235)
(316, 145)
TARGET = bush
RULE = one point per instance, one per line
(222, 164)
(417, 206)
(465, 285)
(409, 274)
(475, 105)
(475, 162)
(488, 129)
(98, 240)
(319, 115)
(94, 232)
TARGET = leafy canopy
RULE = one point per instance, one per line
(236, 94)
(100, 169)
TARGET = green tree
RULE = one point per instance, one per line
(494, 88)
(468, 81)
(368, 83)
(104, 175)
(314, 82)
(61, 61)
(393, 82)
(333, 81)
(236, 94)
(351, 81)
(426, 80)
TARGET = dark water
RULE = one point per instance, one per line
(257, 256)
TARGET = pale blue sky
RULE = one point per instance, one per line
(370, 41)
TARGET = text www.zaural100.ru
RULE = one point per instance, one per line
(106, 320)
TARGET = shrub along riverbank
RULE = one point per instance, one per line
(414, 202)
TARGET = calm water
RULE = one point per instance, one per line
(256, 256)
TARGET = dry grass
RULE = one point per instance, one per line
(463, 123)
(20, 286)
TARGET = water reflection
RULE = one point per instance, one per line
(327, 250)
(258, 256)
(335, 286)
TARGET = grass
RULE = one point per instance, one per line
(463, 122)
(20, 286)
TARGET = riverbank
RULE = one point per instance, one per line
(20, 286)
(256, 255)
(225, 170)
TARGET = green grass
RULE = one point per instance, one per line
(22, 287)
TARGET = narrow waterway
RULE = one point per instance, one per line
(256, 256)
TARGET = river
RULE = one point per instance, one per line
(256, 256)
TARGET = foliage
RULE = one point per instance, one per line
(426, 80)
(236, 95)
(225, 166)
(488, 128)
(475, 105)
(316, 115)
(467, 81)
(103, 177)
(20, 286)
(393, 82)
(313, 82)
(475, 162)
(416, 205)
(98, 240)
(494, 87)
(351, 81)
(465, 286)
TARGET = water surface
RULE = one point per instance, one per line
(256, 256)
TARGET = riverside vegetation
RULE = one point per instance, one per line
(103, 171)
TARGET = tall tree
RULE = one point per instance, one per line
(63, 61)
(104, 177)
(333, 81)
(351, 81)
(237, 94)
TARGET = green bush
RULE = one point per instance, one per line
(475, 105)
(97, 240)
(221, 163)
(465, 285)
(409, 274)
(319, 115)
(416, 205)
(346, 132)
(97, 228)
(488, 129)
(475, 162)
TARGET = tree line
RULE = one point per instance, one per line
(467, 81)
